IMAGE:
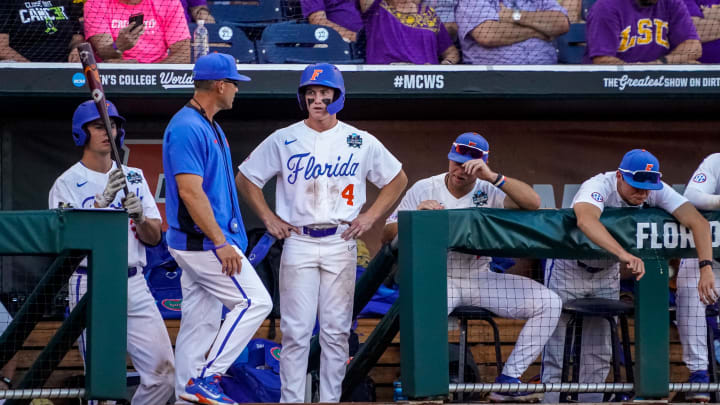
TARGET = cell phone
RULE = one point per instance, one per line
(137, 19)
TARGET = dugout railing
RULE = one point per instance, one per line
(68, 236)
(426, 236)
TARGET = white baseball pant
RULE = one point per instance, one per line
(691, 322)
(317, 277)
(511, 296)
(570, 281)
(148, 343)
(205, 290)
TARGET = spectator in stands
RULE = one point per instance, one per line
(404, 31)
(47, 31)
(705, 15)
(196, 10)
(573, 8)
(514, 32)
(162, 38)
(641, 31)
(341, 15)
(445, 9)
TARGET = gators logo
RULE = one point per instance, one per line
(275, 352)
(172, 304)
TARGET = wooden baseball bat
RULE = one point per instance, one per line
(92, 77)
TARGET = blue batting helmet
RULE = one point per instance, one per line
(323, 74)
(87, 112)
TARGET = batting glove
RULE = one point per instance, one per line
(134, 207)
(116, 182)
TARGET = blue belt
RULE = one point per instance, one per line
(319, 233)
(131, 271)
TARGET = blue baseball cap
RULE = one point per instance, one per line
(641, 169)
(217, 66)
(469, 146)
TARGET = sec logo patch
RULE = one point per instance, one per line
(597, 197)
(700, 178)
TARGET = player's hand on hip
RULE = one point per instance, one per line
(279, 228)
(706, 286)
(479, 169)
(231, 260)
(116, 182)
(361, 224)
(634, 264)
(430, 205)
(134, 207)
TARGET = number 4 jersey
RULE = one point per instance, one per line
(321, 176)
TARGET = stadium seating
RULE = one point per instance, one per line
(571, 46)
(292, 42)
(252, 13)
(227, 38)
(586, 4)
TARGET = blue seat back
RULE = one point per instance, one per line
(225, 37)
(571, 46)
(251, 13)
(292, 42)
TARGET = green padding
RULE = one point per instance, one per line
(649, 232)
(103, 233)
(425, 236)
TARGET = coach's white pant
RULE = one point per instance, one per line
(148, 343)
(317, 277)
(205, 290)
(570, 282)
(691, 322)
(510, 296)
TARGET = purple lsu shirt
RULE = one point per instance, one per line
(393, 36)
(187, 4)
(622, 29)
(711, 49)
(341, 12)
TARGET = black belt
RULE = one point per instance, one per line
(131, 271)
(590, 269)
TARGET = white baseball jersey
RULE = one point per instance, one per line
(706, 177)
(78, 187)
(320, 175)
(601, 191)
(483, 194)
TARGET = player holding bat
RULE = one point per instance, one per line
(96, 181)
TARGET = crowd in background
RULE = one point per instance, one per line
(484, 32)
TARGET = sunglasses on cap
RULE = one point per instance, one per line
(472, 151)
(644, 176)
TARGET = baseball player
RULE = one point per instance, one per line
(321, 165)
(703, 191)
(636, 183)
(207, 238)
(96, 182)
(470, 182)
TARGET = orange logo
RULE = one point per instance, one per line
(315, 74)
(648, 167)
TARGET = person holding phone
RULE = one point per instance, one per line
(137, 31)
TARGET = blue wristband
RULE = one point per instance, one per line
(221, 246)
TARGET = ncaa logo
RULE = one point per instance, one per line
(700, 178)
(78, 80)
(225, 33)
(597, 197)
(321, 34)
